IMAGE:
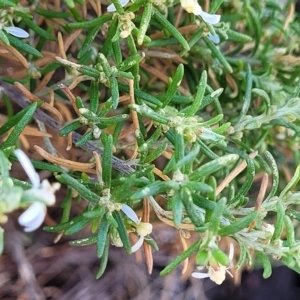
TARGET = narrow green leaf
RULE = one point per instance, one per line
(199, 187)
(140, 94)
(97, 212)
(290, 231)
(122, 232)
(155, 188)
(79, 187)
(156, 153)
(89, 39)
(170, 165)
(37, 29)
(64, 226)
(102, 236)
(20, 45)
(280, 210)
(266, 264)
(179, 146)
(248, 182)
(177, 208)
(238, 225)
(117, 52)
(187, 200)
(111, 220)
(215, 219)
(104, 259)
(242, 256)
(4, 166)
(77, 226)
(20, 126)
(113, 29)
(217, 54)
(263, 94)
(247, 97)
(131, 61)
(15, 119)
(4, 38)
(173, 87)
(85, 241)
(180, 258)
(220, 256)
(104, 64)
(295, 214)
(192, 110)
(114, 89)
(92, 23)
(206, 150)
(295, 179)
(85, 138)
(215, 6)
(235, 36)
(94, 96)
(148, 112)
(213, 166)
(146, 17)
(169, 27)
(52, 14)
(136, 5)
(107, 160)
(118, 6)
(75, 124)
(89, 71)
(254, 22)
(202, 257)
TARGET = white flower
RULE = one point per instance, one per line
(33, 217)
(141, 228)
(216, 271)
(192, 6)
(41, 193)
(16, 31)
(214, 38)
(112, 8)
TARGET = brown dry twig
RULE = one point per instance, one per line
(147, 247)
(17, 97)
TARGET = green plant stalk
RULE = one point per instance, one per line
(180, 258)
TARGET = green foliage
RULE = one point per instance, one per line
(206, 109)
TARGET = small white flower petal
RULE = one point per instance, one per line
(138, 245)
(42, 195)
(217, 274)
(112, 8)
(200, 275)
(144, 228)
(209, 18)
(197, 10)
(214, 38)
(33, 217)
(28, 167)
(16, 31)
(129, 212)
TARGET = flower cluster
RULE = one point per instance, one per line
(215, 270)
(142, 229)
